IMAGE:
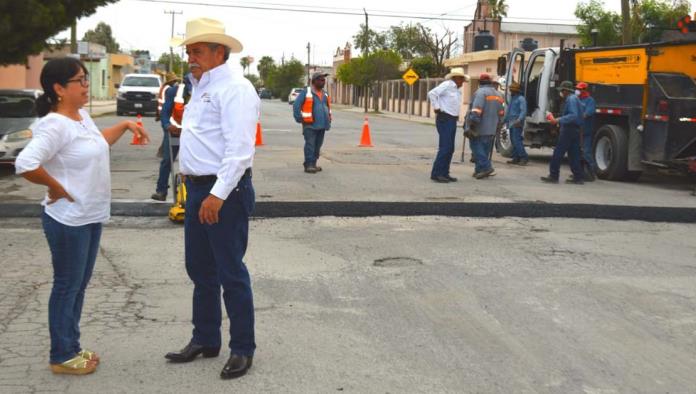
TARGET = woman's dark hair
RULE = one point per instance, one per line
(56, 71)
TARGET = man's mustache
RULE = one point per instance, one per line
(192, 65)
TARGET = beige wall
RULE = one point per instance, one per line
(21, 76)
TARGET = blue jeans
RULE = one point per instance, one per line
(314, 139)
(517, 140)
(587, 150)
(481, 148)
(446, 129)
(214, 256)
(568, 142)
(165, 165)
(73, 253)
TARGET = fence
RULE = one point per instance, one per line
(394, 96)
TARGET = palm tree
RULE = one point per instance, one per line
(245, 62)
(497, 9)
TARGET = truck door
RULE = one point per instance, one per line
(515, 71)
(539, 88)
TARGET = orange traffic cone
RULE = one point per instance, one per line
(259, 134)
(365, 140)
(136, 139)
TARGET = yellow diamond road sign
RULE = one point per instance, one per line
(410, 76)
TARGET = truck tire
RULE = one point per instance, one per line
(503, 144)
(611, 154)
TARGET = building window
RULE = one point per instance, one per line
(103, 78)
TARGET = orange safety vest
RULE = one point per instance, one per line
(178, 109)
(306, 111)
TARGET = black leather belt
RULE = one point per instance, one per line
(206, 179)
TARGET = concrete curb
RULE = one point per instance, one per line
(290, 209)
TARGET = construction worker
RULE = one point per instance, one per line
(482, 123)
(515, 115)
(446, 100)
(170, 79)
(589, 109)
(170, 118)
(312, 108)
(569, 138)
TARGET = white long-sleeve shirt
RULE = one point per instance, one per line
(446, 97)
(76, 154)
(219, 128)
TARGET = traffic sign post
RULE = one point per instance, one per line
(410, 77)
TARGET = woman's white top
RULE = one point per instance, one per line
(76, 154)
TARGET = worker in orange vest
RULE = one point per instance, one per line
(312, 108)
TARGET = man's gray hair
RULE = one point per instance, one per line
(213, 47)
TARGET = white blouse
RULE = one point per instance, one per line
(76, 154)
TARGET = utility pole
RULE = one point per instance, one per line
(171, 50)
(309, 81)
(626, 21)
(73, 37)
(367, 50)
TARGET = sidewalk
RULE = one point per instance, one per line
(101, 108)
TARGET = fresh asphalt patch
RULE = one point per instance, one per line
(292, 209)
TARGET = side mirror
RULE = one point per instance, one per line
(117, 85)
(502, 66)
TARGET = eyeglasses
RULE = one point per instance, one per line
(83, 80)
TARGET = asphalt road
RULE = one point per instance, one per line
(379, 305)
(396, 169)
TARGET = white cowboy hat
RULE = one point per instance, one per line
(210, 30)
(457, 72)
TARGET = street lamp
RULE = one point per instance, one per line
(594, 33)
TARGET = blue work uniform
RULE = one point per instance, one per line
(568, 139)
(515, 115)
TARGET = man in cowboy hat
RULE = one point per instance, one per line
(446, 99)
(215, 156)
(515, 114)
(568, 138)
(312, 108)
(484, 117)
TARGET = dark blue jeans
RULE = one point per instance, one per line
(73, 253)
(587, 149)
(446, 129)
(214, 258)
(314, 139)
(166, 164)
(518, 151)
(481, 148)
(568, 142)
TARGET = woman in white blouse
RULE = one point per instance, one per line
(70, 156)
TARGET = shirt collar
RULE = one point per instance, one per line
(220, 72)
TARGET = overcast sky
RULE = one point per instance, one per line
(143, 24)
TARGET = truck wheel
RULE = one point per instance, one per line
(503, 144)
(611, 154)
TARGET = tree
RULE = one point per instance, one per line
(497, 9)
(26, 26)
(374, 41)
(439, 47)
(266, 67)
(177, 62)
(607, 24)
(285, 77)
(244, 62)
(407, 40)
(425, 67)
(648, 20)
(102, 35)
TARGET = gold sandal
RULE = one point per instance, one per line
(89, 355)
(75, 366)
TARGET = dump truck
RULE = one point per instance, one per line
(646, 102)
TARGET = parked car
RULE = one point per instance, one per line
(265, 94)
(138, 94)
(293, 95)
(17, 116)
